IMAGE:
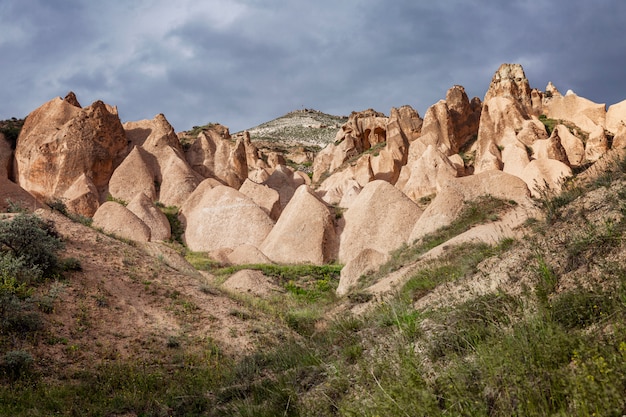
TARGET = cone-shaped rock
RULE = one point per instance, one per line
(225, 218)
(380, 218)
(114, 218)
(304, 233)
(142, 207)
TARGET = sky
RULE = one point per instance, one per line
(244, 62)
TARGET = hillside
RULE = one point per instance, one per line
(306, 127)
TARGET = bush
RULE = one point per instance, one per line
(32, 239)
(16, 363)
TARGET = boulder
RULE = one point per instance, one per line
(143, 207)
(60, 142)
(368, 260)
(82, 197)
(251, 282)
(247, 255)
(214, 154)
(114, 218)
(225, 218)
(266, 198)
(304, 233)
(380, 218)
(446, 206)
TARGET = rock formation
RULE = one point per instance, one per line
(395, 215)
(225, 218)
(60, 142)
(113, 217)
(304, 233)
(160, 155)
(213, 154)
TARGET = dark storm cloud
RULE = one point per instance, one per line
(245, 62)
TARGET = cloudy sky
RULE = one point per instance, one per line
(244, 62)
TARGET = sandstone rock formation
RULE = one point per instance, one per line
(225, 218)
(304, 233)
(446, 206)
(284, 181)
(247, 255)
(143, 207)
(214, 154)
(368, 260)
(580, 111)
(60, 142)
(615, 116)
(114, 218)
(267, 198)
(380, 218)
(510, 82)
(251, 282)
(135, 175)
(362, 131)
(162, 154)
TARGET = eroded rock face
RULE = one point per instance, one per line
(160, 161)
(615, 116)
(304, 233)
(580, 111)
(225, 218)
(424, 175)
(380, 218)
(362, 131)
(510, 82)
(60, 142)
(214, 154)
(135, 175)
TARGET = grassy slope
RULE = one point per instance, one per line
(532, 327)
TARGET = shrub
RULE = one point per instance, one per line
(32, 239)
(16, 363)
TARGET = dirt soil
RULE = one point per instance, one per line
(125, 303)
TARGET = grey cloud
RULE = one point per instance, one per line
(271, 57)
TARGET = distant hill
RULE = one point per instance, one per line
(306, 127)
